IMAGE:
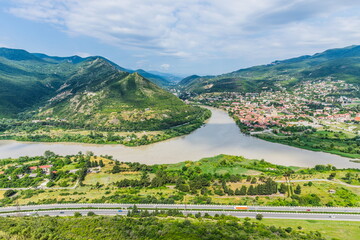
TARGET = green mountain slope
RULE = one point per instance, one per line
(342, 64)
(103, 97)
(44, 98)
(28, 80)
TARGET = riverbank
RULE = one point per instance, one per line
(298, 145)
(130, 139)
(220, 135)
(310, 141)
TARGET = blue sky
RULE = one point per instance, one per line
(186, 37)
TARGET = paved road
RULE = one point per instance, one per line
(181, 206)
(112, 212)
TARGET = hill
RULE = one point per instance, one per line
(40, 94)
(36, 77)
(100, 95)
(26, 80)
(157, 79)
(342, 64)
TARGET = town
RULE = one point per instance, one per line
(326, 109)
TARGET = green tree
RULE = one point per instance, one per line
(77, 214)
(253, 180)
(90, 214)
(48, 154)
(283, 188)
(101, 163)
(9, 193)
(332, 176)
(116, 169)
(243, 190)
(259, 216)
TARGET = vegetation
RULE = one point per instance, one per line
(137, 227)
(319, 141)
(86, 100)
(340, 63)
(344, 230)
(85, 178)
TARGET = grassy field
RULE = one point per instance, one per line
(341, 230)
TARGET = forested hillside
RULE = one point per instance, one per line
(337, 64)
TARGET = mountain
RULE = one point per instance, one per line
(188, 80)
(26, 80)
(160, 81)
(342, 64)
(172, 78)
(101, 96)
(88, 92)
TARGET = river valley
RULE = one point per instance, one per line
(220, 135)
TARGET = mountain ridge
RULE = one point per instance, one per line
(87, 93)
(342, 63)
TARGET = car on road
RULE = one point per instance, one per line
(120, 210)
(62, 212)
(241, 208)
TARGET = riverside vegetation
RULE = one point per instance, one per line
(85, 178)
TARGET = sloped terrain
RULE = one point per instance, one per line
(337, 64)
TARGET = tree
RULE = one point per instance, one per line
(77, 214)
(259, 216)
(48, 154)
(9, 193)
(183, 187)
(101, 163)
(283, 188)
(297, 189)
(253, 180)
(251, 190)
(90, 214)
(116, 169)
(89, 153)
(331, 176)
(243, 190)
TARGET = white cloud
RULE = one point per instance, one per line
(83, 54)
(253, 29)
(165, 66)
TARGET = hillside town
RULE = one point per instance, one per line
(319, 105)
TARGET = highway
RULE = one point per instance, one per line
(181, 206)
(277, 215)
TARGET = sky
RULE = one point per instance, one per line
(203, 37)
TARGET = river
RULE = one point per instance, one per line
(219, 136)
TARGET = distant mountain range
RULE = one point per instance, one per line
(90, 92)
(342, 64)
